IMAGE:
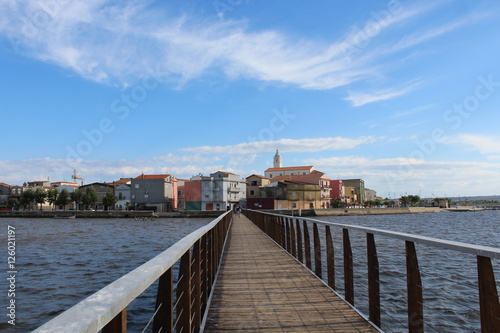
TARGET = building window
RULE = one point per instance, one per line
(252, 192)
(253, 183)
(294, 205)
(136, 185)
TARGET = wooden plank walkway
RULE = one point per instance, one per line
(262, 288)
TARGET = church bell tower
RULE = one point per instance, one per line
(277, 160)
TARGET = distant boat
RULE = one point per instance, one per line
(65, 217)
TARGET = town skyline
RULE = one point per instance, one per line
(402, 94)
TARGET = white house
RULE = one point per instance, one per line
(222, 191)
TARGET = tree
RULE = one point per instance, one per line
(337, 203)
(410, 200)
(63, 198)
(76, 196)
(13, 203)
(28, 198)
(90, 197)
(52, 197)
(40, 196)
(109, 200)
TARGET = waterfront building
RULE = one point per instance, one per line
(288, 171)
(122, 195)
(222, 191)
(101, 189)
(154, 192)
(5, 190)
(337, 190)
(38, 184)
(370, 195)
(350, 195)
(254, 182)
(192, 194)
(64, 183)
(359, 188)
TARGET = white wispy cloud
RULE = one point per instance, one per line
(285, 145)
(362, 98)
(482, 143)
(119, 42)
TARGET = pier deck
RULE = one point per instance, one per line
(262, 288)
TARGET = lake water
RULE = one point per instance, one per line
(61, 262)
(449, 278)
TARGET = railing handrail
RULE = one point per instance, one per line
(94, 312)
(485, 251)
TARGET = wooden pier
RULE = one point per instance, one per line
(262, 288)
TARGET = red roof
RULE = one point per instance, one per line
(152, 177)
(257, 176)
(309, 167)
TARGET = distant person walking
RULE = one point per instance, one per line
(237, 211)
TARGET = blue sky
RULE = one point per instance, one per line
(403, 94)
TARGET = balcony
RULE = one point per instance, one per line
(234, 189)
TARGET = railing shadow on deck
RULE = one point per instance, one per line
(179, 307)
(293, 234)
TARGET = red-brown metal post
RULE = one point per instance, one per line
(164, 319)
(300, 250)
(293, 241)
(489, 302)
(414, 285)
(118, 324)
(373, 280)
(317, 252)
(184, 294)
(307, 246)
(196, 286)
(330, 258)
(348, 267)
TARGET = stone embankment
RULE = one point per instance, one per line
(108, 214)
(358, 211)
(214, 214)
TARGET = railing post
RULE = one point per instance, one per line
(300, 250)
(307, 245)
(205, 290)
(373, 280)
(282, 231)
(184, 294)
(164, 319)
(489, 302)
(414, 284)
(288, 237)
(317, 252)
(118, 324)
(330, 258)
(293, 241)
(348, 267)
(196, 286)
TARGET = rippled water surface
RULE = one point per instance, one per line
(60, 262)
(449, 278)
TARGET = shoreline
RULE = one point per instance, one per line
(213, 214)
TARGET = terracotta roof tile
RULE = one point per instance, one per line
(291, 168)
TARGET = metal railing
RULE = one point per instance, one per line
(292, 233)
(180, 307)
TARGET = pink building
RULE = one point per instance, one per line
(336, 192)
